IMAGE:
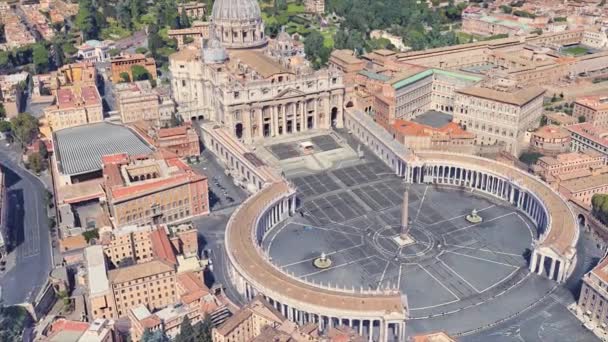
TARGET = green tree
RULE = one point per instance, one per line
(2, 111)
(506, 9)
(124, 76)
(5, 126)
(581, 119)
(14, 320)
(87, 20)
(90, 235)
(315, 50)
(40, 57)
(184, 21)
(34, 162)
(58, 55)
(154, 336)
(599, 207)
(203, 329)
(25, 128)
(42, 150)
(140, 73)
(186, 332)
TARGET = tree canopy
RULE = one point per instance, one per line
(25, 128)
(599, 207)
(140, 73)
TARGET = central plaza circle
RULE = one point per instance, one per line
(352, 215)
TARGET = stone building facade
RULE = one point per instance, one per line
(593, 108)
(550, 140)
(140, 101)
(74, 106)
(593, 301)
(587, 136)
(254, 95)
(121, 64)
(499, 116)
(152, 189)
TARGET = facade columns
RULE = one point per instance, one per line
(541, 268)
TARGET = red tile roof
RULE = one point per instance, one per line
(192, 286)
(161, 246)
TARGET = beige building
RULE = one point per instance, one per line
(74, 106)
(124, 64)
(11, 91)
(138, 101)
(129, 242)
(248, 322)
(593, 108)
(568, 166)
(587, 136)
(581, 190)
(550, 140)
(159, 188)
(254, 95)
(499, 116)
(251, 93)
(593, 300)
(315, 6)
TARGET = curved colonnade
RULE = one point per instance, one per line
(554, 250)
(375, 313)
(381, 314)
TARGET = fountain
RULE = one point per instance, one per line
(473, 217)
(322, 262)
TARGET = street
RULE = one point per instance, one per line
(222, 191)
(29, 261)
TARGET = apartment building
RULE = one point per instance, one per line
(74, 106)
(594, 109)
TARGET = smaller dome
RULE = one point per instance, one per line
(213, 51)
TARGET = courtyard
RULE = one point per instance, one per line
(458, 277)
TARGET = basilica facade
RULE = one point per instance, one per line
(255, 86)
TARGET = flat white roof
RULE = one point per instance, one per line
(96, 270)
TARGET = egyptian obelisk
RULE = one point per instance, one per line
(405, 227)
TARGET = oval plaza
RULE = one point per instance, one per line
(381, 314)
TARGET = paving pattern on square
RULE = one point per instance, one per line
(353, 213)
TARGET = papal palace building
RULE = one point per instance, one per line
(255, 89)
(497, 116)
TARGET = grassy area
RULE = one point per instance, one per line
(114, 31)
(293, 9)
(575, 51)
(328, 37)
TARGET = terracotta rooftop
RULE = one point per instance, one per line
(585, 183)
(517, 98)
(192, 287)
(138, 271)
(597, 102)
(410, 128)
(552, 132)
(258, 306)
(262, 64)
(601, 270)
(161, 246)
(70, 97)
(172, 172)
(593, 133)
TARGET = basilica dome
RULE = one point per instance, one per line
(238, 23)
